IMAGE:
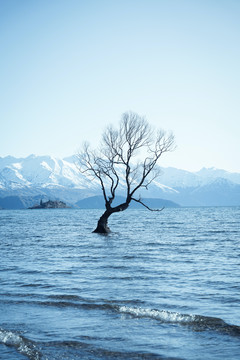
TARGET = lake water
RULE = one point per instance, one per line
(160, 286)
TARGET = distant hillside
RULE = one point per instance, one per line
(93, 202)
(46, 177)
(22, 202)
(97, 202)
(12, 202)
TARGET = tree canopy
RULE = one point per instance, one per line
(128, 156)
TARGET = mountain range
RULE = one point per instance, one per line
(25, 181)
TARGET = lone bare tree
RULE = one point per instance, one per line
(113, 163)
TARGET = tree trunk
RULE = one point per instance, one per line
(102, 226)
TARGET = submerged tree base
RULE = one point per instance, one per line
(102, 226)
(102, 230)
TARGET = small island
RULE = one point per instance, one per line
(50, 205)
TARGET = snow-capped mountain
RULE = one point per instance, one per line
(41, 171)
(181, 178)
(46, 176)
(60, 178)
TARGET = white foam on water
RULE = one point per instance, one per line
(22, 345)
(9, 338)
(197, 322)
(162, 315)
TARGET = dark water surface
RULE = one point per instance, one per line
(160, 286)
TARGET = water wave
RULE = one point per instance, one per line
(133, 308)
(197, 322)
(20, 343)
(74, 350)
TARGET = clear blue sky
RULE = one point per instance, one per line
(68, 68)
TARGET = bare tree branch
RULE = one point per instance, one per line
(140, 202)
(116, 160)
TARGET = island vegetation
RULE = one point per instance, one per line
(56, 204)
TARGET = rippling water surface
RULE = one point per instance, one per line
(160, 286)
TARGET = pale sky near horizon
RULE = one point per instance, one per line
(69, 68)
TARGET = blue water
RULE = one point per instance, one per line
(160, 286)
